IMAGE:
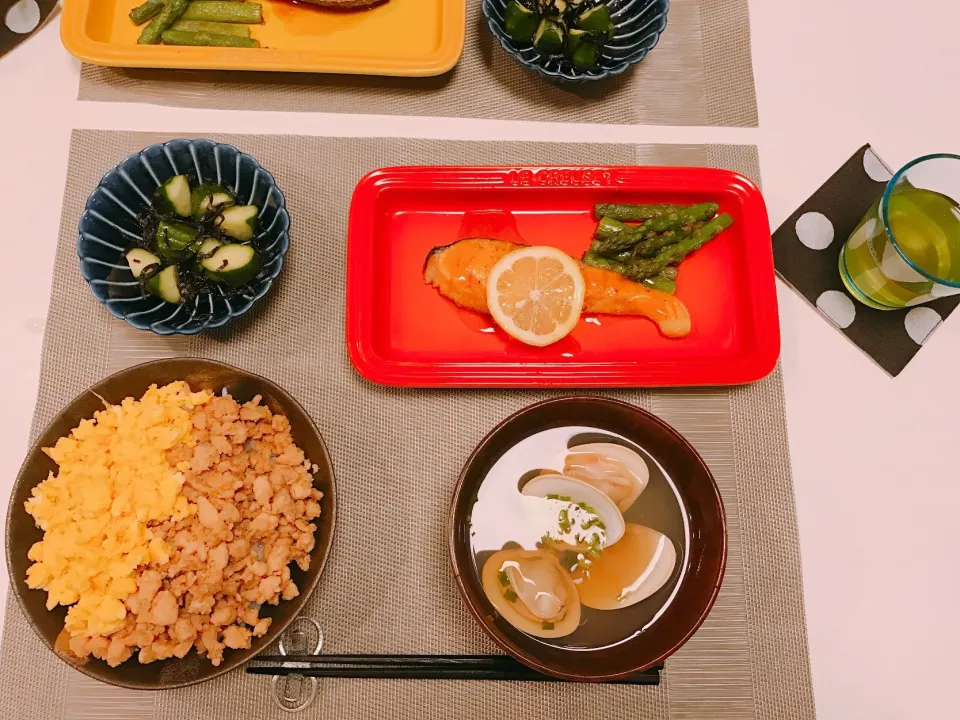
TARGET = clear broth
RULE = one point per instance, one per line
(498, 521)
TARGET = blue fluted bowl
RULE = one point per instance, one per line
(639, 24)
(109, 224)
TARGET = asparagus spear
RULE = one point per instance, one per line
(672, 254)
(650, 248)
(597, 260)
(609, 228)
(225, 11)
(635, 213)
(662, 283)
(147, 10)
(215, 28)
(612, 236)
(182, 37)
(670, 272)
(152, 32)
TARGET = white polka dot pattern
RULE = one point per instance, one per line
(838, 307)
(875, 169)
(920, 322)
(815, 230)
(23, 16)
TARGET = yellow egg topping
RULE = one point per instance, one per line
(114, 481)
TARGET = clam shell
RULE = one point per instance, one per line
(492, 587)
(636, 478)
(580, 492)
(642, 563)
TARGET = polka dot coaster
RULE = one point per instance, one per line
(20, 19)
(806, 249)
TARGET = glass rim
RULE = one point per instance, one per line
(885, 216)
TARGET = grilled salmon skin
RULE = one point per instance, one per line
(459, 271)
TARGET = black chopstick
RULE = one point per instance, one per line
(445, 667)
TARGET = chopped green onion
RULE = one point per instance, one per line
(510, 595)
(547, 625)
(502, 577)
(564, 521)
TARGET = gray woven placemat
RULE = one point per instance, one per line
(397, 455)
(700, 73)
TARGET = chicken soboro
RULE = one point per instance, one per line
(255, 500)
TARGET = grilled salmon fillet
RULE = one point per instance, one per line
(459, 271)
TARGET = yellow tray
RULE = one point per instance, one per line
(399, 37)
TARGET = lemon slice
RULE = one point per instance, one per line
(536, 294)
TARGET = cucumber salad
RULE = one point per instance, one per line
(194, 241)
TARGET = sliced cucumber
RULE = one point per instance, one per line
(574, 38)
(165, 285)
(548, 39)
(207, 246)
(519, 21)
(239, 221)
(585, 56)
(596, 20)
(174, 239)
(207, 195)
(232, 264)
(174, 196)
(139, 260)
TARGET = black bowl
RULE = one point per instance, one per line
(22, 533)
(705, 559)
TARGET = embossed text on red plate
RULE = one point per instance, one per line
(560, 177)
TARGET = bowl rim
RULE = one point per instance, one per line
(228, 664)
(268, 283)
(579, 75)
(483, 618)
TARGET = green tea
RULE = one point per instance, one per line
(926, 225)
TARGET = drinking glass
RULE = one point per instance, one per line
(906, 250)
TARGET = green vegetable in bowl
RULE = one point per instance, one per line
(233, 264)
(175, 239)
(238, 221)
(548, 39)
(585, 57)
(596, 20)
(207, 197)
(574, 29)
(520, 21)
(139, 260)
(165, 285)
(190, 242)
(174, 196)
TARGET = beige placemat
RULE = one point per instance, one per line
(397, 454)
(700, 73)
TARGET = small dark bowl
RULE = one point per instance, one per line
(109, 223)
(706, 554)
(639, 24)
(22, 533)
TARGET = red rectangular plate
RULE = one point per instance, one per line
(401, 331)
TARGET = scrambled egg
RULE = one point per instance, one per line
(113, 479)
